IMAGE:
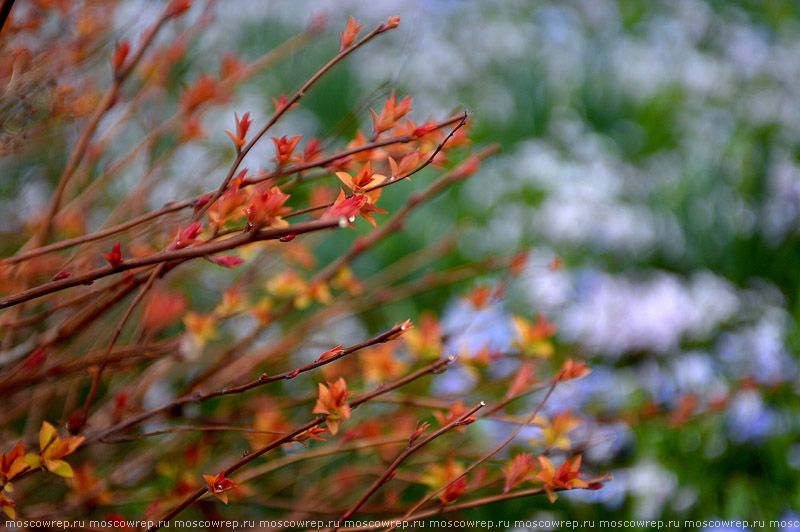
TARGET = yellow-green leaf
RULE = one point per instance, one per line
(59, 467)
(33, 460)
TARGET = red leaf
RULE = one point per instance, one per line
(187, 237)
(454, 490)
(350, 33)
(333, 352)
(120, 53)
(421, 427)
(393, 22)
(114, 257)
(228, 261)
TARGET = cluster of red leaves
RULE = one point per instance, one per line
(242, 126)
(265, 208)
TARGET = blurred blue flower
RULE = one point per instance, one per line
(749, 419)
(758, 350)
(791, 522)
(725, 528)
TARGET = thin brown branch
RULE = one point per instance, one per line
(191, 202)
(324, 161)
(188, 428)
(120, 355)
(395, 222)
(411, 449)
(117, 332)
(492, 452)
(88, 131)
(99, 235)
(344, 305)
(328, 450)
(398, 179)
(436, 367)
(168, 256)
(450, 508)
(36, 318)
(381, 28)
(200, 397)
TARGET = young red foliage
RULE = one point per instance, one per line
(218, 485)
(284, 149)
(114, 257)
(350, 33)
(242, 126)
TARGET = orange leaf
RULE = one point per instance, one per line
(350, 33)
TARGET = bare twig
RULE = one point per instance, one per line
(450, 508)
(485, 457)
(411, 449)
(381, 28)
(125, 317)
(200, 397)
(88, 131)
(167, 256)
(188, 428)
(395, 222)
(435, 367)
(426, 163)
(191, 202)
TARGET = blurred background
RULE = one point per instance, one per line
(654, 149)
